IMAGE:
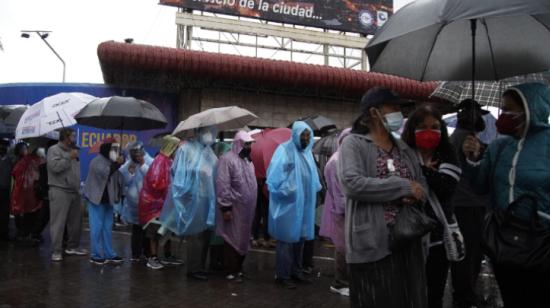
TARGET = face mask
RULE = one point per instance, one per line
(41, 152)
(113, 155)
(3, 150)
(393, 121)
(245, 153)
(509, 122)
(427, 139)
(207, 139)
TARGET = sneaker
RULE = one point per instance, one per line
(307, 270)
(342, 291)
(135, 259)
(97, 261)
(57, 257)
(171, 260)
(153, 263)
(301, 279)
(285, 283)
(76, 252)
(114, 260)
(230, 277)
(198, 276)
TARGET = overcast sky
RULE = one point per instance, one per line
(78, 27)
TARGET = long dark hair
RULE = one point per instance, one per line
(445, 149)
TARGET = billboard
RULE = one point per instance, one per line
(361, 16)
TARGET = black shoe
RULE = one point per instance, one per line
(285, 283)
(308, 270)
(301, 279)
(198, 276)
(97, 261)
(114, 260)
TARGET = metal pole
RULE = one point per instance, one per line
(55, 52)
(473, 26)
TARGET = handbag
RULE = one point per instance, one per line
(411, 223)
(513, 241)
(452, 237)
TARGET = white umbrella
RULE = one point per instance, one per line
(51, 113)
(224, 118)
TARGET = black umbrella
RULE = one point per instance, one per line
(464, 40)
(318, 123)
(124, 113)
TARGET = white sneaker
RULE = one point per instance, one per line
(341, 291)
(76, 252)
(57, 257)
(154, 263)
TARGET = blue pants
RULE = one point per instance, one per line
(289, 259)
(101, 226)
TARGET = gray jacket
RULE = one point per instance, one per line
(63, 172)
(367, 235)
(98, 178)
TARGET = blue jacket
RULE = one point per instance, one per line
(512, 167)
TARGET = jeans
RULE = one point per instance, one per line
(289, 259)
(101, 225)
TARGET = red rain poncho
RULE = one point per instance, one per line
(155, 187)
(23, 197)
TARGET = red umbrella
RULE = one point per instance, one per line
(264, 147)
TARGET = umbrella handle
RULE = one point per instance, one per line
(473, 27)
(60, 120)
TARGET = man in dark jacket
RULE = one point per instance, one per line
(469, 210)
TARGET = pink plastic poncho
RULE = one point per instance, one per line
(236, 188)
(332, 222)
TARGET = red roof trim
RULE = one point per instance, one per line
(115, 56)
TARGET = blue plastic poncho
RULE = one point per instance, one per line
(132, 188)
(293, 183)
(190, 205)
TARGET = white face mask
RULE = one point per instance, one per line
(393, 121)
(41, 152)
(207, 138)
(113, 155)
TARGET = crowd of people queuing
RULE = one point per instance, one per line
(376, 181)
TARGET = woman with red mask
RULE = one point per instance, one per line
(426, 133)
(512, 168)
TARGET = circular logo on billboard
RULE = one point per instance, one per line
(366, 19)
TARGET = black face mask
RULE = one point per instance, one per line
(245, 153)
(3, 150)
(304, 144)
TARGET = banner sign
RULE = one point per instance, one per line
(361, 16)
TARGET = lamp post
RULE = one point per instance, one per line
(43, 35)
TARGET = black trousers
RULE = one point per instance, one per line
(232, 260)
(522, 288)
(4, 214)
(466, 272)
(140, 242)
(308, 253)
(259, 226)
(437, 267)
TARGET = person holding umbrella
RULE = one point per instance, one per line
(380, 175)
(102, 190)
(236, 192)
(189, 209)
(293, 183)
(512, 168)
(64, 195)
(133, 172)
(153, 194)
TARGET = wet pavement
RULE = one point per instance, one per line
(29, 279)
